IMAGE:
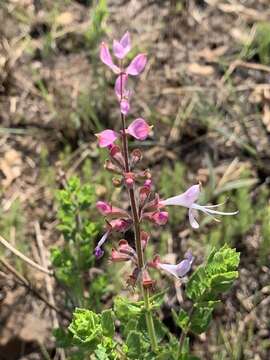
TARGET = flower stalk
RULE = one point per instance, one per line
(137, 234)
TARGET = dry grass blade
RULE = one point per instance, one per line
(24, 258)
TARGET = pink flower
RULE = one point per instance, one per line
(107, 209)
(179, 270)
(106, 58)
(106, 138)
(122, 47)
(157, 217)
(120, 50)
(122, 93)
(139, 129)
(187, 199)
(137, 65)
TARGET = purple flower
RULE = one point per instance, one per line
(122, 93)
(137, 65)
(188, 200)
(98, 250)
(122, 47)
(139, 129)
(179, 270)
(106, 137)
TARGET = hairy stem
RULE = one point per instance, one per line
(139, 250)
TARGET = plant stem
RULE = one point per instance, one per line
(184, 333)
(137, 233)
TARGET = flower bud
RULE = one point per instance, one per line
(157, 217)
(144, 239)
(112, 167)
(120, 225)
(116, 256)
(129, 179)
(135, 157)
(146, 279)
(117, 156)
(117, 182)
(143, 195)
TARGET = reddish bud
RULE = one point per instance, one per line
(116, 256)
(143, 194)
(144, 239)
(146, 279)
(117, 182)
(129, 179)
(158, 217)
(117, 156)
(120, 225)
(112, 167)
(135, 157)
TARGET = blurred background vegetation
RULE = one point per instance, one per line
(206, 90)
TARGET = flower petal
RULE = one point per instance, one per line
(137, 65)
(124, 106)
(186, 199)
(192, 220)
(106, 58)
(120, 89)
(125, 41)
(106, 137)
(98, 250)
(122, 47)
(139, 129)
(183, 267)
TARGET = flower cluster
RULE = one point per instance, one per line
(146, 205)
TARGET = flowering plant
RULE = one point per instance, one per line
(143, 334)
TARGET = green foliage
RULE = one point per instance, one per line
(260, 44)
(99, 13)
(264, 251)
(75, 256)
(203, 288)
(93, 333)
(214, 277)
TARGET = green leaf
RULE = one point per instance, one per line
(201, 318)
(135, 345)
(86, 328)
(157, 300)
(107, 322)
(214, 277)
(181, 319)
(160, 329)
(126, 309)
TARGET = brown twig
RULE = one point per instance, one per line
(23, 257)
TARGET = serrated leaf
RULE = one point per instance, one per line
(107, 322)
(201, 318)
(135, 345)
(216, 276)
(86, 328)
(126, 309)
